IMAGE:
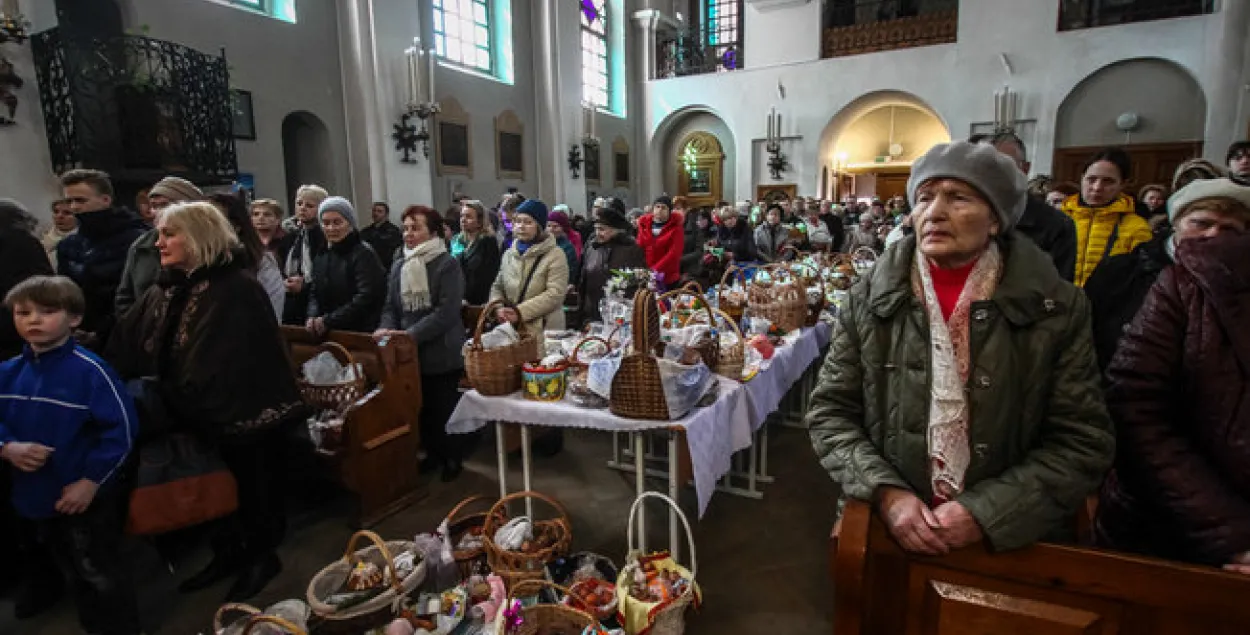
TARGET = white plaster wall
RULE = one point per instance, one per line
(288, 67)
(25, 163)
(784, 34)
(956, 80)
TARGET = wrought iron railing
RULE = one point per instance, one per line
(688, 51)
(1086, 14)
(135, 104)
(853, 27)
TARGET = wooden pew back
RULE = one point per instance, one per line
(1043, 590)
(380, 438)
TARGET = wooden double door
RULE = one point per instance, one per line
(1152, 162)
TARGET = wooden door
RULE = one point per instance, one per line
(891, 185)
(1152, 162)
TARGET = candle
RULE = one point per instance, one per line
(778, 127)
(10, 9)
(431, 55)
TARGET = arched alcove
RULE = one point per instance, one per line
(1169, 103)
(868, 146)
(306, 153)
(670, 140)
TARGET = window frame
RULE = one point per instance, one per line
(713, 26)
(440, 9)
(602, 64)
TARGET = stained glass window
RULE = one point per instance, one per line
(596, 87)
(462, 33)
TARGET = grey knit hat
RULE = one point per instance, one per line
(1204, 189)
(177, 190)
(994, 175)
(340, 205)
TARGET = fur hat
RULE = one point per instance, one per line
(613, 218)
(991, 173)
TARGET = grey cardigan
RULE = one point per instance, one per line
(438, 330)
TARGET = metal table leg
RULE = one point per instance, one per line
(674, 539)
(502, 457)
(525, 468)
(640, 486)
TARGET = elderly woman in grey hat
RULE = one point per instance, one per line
(348, 281)
(960, 396)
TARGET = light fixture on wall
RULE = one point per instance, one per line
(419, 104)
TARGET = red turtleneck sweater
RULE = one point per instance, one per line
(948, 284)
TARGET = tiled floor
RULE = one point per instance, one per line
(762, 564)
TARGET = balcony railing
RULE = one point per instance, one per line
(681, 52)
(853, 27)
(1086, 14)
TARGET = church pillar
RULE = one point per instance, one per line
(1225, 60)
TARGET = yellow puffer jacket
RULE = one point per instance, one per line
(1094, 226)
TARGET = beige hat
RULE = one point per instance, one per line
(1204, 189)
(176, 190)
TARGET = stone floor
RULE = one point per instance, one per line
(762, 564)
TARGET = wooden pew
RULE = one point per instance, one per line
(1043, 590)
(378, 460)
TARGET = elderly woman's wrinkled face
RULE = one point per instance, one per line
(604, 233)
(171, 244)
(524, 227)
(335, 226)
(1101, 183)
(415, 231)
(1153, 199)
(1202, 219)
(954, 223)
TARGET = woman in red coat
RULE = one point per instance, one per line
(1180, 396)
(661, 236)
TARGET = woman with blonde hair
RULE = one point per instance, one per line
(477, 251)
(207, 333)
(305, 241)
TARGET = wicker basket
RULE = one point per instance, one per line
(733, 309)
(808, 275)
(669, 619)
(469, 560)
(578, 392)
(637, 391)
(517, 566)
(544, 619)
(251, 619)
(783, 305)
(337, 396)
(710, 350)
(378, 610)
(497, 372)
(731, 359)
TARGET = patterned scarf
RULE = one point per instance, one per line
(949, 455)
(414, 279)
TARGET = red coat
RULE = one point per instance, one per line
(1180, 396)
(663, 251)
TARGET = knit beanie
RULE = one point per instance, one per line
(177, 190)
(535, 209)
(561, 219)
(979, 165)
(1204, 189)
(664, 200)
(613, 218)
(340, 205)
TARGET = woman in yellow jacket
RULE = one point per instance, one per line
(1105, 218)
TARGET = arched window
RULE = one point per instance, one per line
(596, 84)
(722, 32)
(462, 33)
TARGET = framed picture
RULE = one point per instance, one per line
(509, 146)
(451, 136)
(592, 166)
(620, 162)
(242, 121)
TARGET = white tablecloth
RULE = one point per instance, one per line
(765, 392)
(713, 433)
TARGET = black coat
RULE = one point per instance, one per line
(385, 238)
(1117, 289)
(692, 251)
(739, 241)
(598, 261)
(437, 329)
(95, 257)
(295, 309)
(21, 256)
(1054, 232)
(348, 286)
(836, 229)
(480, 264)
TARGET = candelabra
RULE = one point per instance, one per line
(575, 159)
(407, 136)
(777, 161)
(13, 28)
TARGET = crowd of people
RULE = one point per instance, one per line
(1018, 346)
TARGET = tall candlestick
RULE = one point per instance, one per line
(10, 9)
(778, 127)
(432, 56)
(411, 57)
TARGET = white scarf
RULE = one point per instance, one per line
(951, 359)
(414, 279)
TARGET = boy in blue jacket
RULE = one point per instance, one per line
(66, 427)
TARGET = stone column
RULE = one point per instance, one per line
(644, 165)
(1225, 71)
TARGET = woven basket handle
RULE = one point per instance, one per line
(692, 289)
(497, 510)
(641, 324)
(219, 616)
(451, 516)
(349, 556)
(724, 316)
(724, 278)
(340, 353)
(536, 586)
(578, 349)
(633, 513)
(870, 252)
(286, 625)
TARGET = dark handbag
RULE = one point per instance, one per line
(181, 482)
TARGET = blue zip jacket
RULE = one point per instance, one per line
(69, 400)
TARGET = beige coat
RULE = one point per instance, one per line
(542, 308)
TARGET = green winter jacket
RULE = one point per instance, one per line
(1040, 436)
